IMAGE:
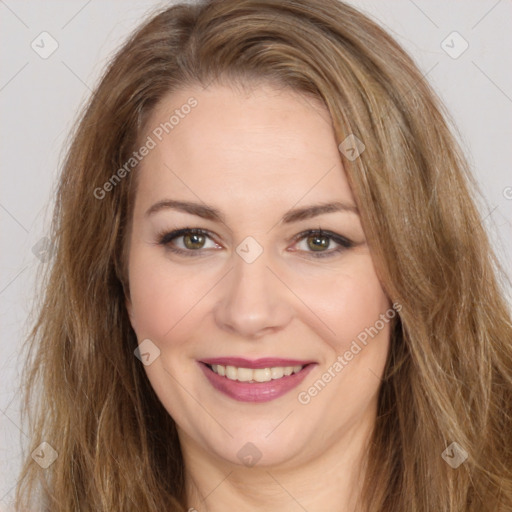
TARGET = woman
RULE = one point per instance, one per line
(271, 288)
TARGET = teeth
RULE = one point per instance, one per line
(276, 373)
(254, 375)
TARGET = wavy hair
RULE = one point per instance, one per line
(448, 376)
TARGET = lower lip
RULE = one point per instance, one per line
(257, 391)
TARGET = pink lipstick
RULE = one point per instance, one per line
(259, 380)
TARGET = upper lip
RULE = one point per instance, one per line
(265, 362)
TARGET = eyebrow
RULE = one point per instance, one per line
(213, 214)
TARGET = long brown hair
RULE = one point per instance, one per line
(449, 373)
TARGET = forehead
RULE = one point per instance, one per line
(251, 146)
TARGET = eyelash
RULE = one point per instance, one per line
(165, 239)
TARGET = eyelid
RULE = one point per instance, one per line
(167, 236)
(322, 232)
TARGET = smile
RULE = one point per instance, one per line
(254, 384)
(254, 375)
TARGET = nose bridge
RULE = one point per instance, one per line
(253, 300)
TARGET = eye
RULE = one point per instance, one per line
(317, 241)
(192, 242)
(187, 241)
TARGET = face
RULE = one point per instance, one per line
(229, 258)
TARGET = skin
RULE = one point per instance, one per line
(254, 154)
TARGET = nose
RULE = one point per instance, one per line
(253, 302)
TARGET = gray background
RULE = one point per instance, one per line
(40, 97)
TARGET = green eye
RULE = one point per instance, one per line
(317, 243)
(187, 241)
(193, 242)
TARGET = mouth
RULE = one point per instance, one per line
(256, 381)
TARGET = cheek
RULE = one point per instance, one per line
(351, 303)
(347, 300)
(160, 295)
